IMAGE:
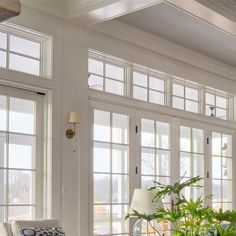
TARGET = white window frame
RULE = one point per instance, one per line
(40, 177)
(114, 62)
(45, 41)
(229, 103)
(136, 112)
(168, 79)
(149, 73)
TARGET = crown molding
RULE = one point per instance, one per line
(156, 44)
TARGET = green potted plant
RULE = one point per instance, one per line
(188, 217)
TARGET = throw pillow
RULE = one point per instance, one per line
(58, 231)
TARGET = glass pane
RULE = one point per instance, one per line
(115, 72)
(101, 188)
(191, 106)
(3, 150)
(3, 113)
(21, 212)
(119, 224)
(3, 185)
(216, 187)
(216, 167)
(21, 189)
(24, 46)
(148, 133)
(115, 87)
(162, 135)
(140, 93)
(198, 165)
(163, 163)
(101, 157)
(139, 79)
(216, 144)
(178, 103)
(185, 164)
(227, 145)
(3, 40)
(24, 64)
(3, 59)
(221, 102)
(102, 126)
(185, 139)
(3, 213)
(120, 126)
(22, 116)
(120, 161)
(227, 206)
(217, 205)
(148, 181)
(191, 93)
(221, 113)
(227, 191)
(210, 110)
(95, 82)
(178, 90)
(227, 168)
(120, 188)
(22, 151)
(156, 97)
(210, 99)
(148, 161)
(198, 140)
(101, 219)
(95, 67)
(156, 84)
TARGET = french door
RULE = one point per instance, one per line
(21, 154)
(132, 149)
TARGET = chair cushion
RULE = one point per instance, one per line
(43, 232)
(5, 229)
(18, 226)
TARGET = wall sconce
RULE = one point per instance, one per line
(73, 119)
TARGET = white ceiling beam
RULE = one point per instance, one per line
(104, 10)
(205, 14)
(9, 9)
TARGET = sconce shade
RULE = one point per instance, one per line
(142, 202)
(74, 117)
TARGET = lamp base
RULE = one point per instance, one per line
(137, 228)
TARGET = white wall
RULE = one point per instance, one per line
(70, 93)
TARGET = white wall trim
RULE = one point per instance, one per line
(138, 37)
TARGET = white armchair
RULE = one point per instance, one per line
(15, 228)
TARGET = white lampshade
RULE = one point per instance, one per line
(142, 202)
(74, 117)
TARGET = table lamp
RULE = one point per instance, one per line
(142, 202)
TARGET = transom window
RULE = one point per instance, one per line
(116, 76)
(149, 87)
(107, 77)
(185, 98)
(217, 105)
(25, 51)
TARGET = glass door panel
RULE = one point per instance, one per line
(192, 158)
(155, 161)
(222, 171)
(110, 173)
(20, 132)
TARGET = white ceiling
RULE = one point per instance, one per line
(178, 26)
(226, 8)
